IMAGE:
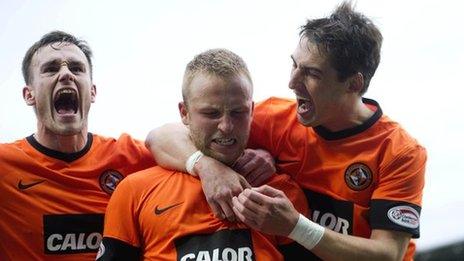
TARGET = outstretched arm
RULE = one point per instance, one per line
(171, 146)
(269, 210)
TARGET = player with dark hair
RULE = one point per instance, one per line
(362, 173)
(56, 183)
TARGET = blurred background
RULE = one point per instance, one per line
(141, 49)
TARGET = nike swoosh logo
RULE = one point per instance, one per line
(159, 211)
(23, 186)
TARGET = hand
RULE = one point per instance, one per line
(257, 166)
(220, 183)
(266, 209)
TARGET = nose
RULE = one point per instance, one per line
(225, 124)
(65, 74)
(295, 79)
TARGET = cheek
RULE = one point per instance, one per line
(42, 97)
(203, 126)
(243, 125)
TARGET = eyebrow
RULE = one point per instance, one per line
(305, 68)
(59, 61)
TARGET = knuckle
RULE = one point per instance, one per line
(217, 197)
(236, 191)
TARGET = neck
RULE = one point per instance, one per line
(62, 143)
(349, 114)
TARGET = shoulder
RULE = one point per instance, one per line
(400, 152)
(147, 177)
(124, 138)
(276, 105)
(397, 138)
(125, 144)
(10, 149)
(274, 111)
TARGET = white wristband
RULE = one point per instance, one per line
(191, 161)
(307, 233)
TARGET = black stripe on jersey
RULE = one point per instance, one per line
(329, 135)
(333, 214)
(72, 233)
(295, 251)
(114, 249)
(224, 244)
(68, 157)
(395, 215)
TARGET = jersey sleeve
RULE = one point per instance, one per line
(121, 220)
(396, 202)
(265, 126)
(294, 193)
(134, 153)
(275, 128)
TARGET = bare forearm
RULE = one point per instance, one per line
(170, 145)
(383, 245)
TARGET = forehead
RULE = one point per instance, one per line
(308, 53)
(212, 89)
(60, 52)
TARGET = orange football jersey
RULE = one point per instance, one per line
(367, 177)
(53, 203)
(163, 215)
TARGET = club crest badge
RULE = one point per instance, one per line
(109, 179)
(358, 176)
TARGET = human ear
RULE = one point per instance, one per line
(356, 82)
(29, 95)
(183, 111)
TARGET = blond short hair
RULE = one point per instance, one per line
(218, 62)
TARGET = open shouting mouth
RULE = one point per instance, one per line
(66, 101)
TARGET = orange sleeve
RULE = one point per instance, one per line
(403, 178)
(135, 152)
(275, 128)
(121, 221)
(268, 126)
(396, 202)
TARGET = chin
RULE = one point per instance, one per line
(304, 122)
(67, 130)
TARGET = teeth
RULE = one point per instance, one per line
(225, 141)
(65, 101)
(303, 105)
(65, 91)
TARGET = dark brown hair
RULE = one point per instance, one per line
(350, 40)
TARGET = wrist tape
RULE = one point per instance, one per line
(307, 233)
(191, 161)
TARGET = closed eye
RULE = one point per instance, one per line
(76, 69)
(211, 114)
(51, 69)
(311, 72)
(239, 112)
